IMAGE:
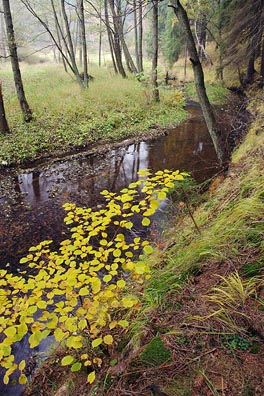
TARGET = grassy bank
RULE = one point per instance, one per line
(67, 117)
(200, 327)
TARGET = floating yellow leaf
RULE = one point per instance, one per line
(22, 365)
(146, 222)
(22, 379)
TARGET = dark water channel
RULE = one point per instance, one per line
(31, 202)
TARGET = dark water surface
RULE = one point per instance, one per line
(31, 202)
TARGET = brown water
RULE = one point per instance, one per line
(31, 202)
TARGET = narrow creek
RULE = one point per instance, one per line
(31, 202)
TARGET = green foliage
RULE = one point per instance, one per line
(235, 341)
(155, 353)
(75, 292)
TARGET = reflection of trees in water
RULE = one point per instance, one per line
(187, 147)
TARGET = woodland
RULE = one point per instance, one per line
(133, 307)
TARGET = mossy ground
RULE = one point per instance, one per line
(204, 301)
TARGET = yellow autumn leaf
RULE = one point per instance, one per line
(108, 339)
(66, 360)
(22, 365)
(97, 342)
(91, 377)
(146, 222)
(22, 379)
(123, 323)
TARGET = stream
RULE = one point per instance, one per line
(31, 200)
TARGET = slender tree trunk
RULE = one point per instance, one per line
(3, 122)
(155, 51)
(70, 44)
(140, 36)
(27, 113)
(58, 36)
(118, 26)
(116, 41)
(3, 39)
(110, 36)
(199, 83)
(201, 35)
(136, 34)
(100, 43)
(251, 68)
(220, 66)
(84, 45)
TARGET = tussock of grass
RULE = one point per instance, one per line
(66, 117)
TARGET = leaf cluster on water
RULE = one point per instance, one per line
(74, 293)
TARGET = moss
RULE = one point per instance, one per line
(251, 269)
(155, 353)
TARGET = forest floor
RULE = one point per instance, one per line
(200, 328)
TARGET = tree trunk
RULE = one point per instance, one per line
(116, 41)
(136, 33)
(100, 44)
(27, 113)
(118, 26)
(110, 36)
(3, 122)
(155, 51)
(57, 26)
(199, 83)
(70, 45)
(140, 37)
(3, 39)
(84, 44)
(201, 34)
(251, 68)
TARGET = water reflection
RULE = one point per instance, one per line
(31, 208)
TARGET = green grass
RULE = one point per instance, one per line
(67, 117)
(217, 94)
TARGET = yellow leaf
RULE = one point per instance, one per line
(67, 360)
(145, 222)
(112, 325)
(108, 339)
(123, 323)
(107, 278)
(148, 249)
(22, 365)
(84, 291)
(22, 379)
(6, 379)
(121, 283)
(97, 342)
(59, 334)
(76, 367)
(10, 332)
(129, 301)
(91, 377)
(161, 195)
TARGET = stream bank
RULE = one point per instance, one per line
(187, 339)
